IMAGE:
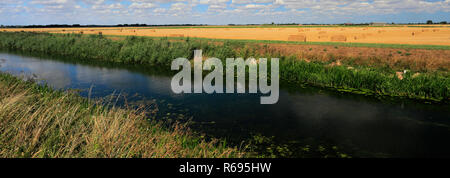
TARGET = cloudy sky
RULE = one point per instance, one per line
(27, 12)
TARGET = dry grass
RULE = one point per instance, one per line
(35, 122)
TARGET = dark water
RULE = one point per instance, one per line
(359, 125)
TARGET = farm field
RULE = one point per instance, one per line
(413, 35)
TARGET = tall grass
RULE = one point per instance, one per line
(133, 49)
(36, 121)
(159, 52)
(366, 80)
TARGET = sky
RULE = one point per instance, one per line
(220, 12)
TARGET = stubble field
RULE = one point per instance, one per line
(416, 35)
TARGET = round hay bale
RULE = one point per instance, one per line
(338, 38)
(300, 37)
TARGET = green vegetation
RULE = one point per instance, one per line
(161, 51)
(36, 121)
(365, 80)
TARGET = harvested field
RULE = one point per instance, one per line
(419, 35)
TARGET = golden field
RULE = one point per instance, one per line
(424, 34)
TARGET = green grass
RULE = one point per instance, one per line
(38, 122)
(159, 52)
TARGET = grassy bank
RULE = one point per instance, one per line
(36, 121)
(159, 52)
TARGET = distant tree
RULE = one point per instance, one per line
(273, 23)
(443, 22)
(429, 22)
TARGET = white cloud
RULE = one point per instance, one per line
(142, 5)
(366, 6)
(218, 11)
(159, 10)
(49, 2)
(251, 1)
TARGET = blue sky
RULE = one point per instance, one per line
(28, 12)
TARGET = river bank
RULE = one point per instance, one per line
(39, 122)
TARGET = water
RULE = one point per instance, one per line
(359, 125)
